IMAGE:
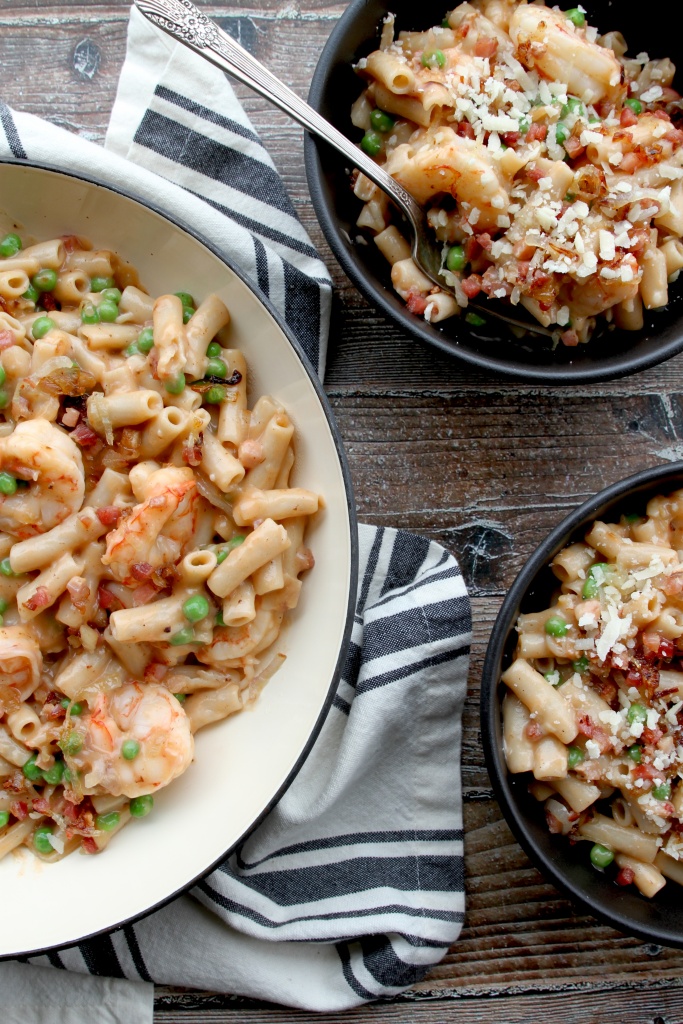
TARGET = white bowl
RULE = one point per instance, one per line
(243, 764)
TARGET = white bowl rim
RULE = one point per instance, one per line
(335, 433)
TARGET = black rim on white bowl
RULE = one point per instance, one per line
(492, 349)
(656, 920)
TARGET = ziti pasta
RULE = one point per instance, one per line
(549, 162)
(151, 543)
(594, 701)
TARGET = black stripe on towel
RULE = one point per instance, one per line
(136, 952)
(351, 979)
(257, 227)
(11, 132)
(100, 957)
(261, 265)
(408, 835)
(407, 557)
(212, 159)
(388, 970)
(428, 872)
(207, 115)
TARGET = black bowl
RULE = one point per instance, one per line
(335, 86)
(659, 919)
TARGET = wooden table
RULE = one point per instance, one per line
(483, 466)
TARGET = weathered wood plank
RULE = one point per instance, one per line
(487, 467)
(654, 1006)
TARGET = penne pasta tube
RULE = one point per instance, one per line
(601, 829)
(74, 532)
(288, 503)
(123, 409)
(266, 542)
(552, 712)
(43, 591)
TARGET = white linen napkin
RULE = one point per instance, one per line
(353, 886)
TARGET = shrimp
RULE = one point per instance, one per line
(21, 663)
(449, 163)
(158, 529)
(232, 643)
(43, 454)
(149, 715)
(548, 41)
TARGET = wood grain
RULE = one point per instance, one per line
(486, 467)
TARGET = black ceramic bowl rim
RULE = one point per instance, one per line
(587, 369)
(658, 479)
(335, 432)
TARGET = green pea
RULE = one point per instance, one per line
(661, 791)
(41, 326)
(213, 350)
(572, 106)
(180, 697)
(381, 121)
(107, 822)
(76, 709)
(196, 608)
(594, 580)
(556, 626)
(45, 280)
(68, 775)
(40, 839)
(636, 713)
(635, 753)
(581, 664)
(6, 568)
(140, 806)
(456, 259)
(188, 313)
(371, 143)
(575, 755)
(4, 605)
(4, 818)
(10, 245)
(71, 744)
(89, 314)
(132, 350)
(561, 133)
(107, 311)
(475, 319)
(54, 775)
(215, 395)
(220, 621)
(112, 295)
(631, 517)
(3, 375)
(182, 637)
(4, 399)
(601, 855)
(576, 15)
(185, 298)
(31, 294)
(146, 340)
(98, 284)
(216, 368)
(175, 386)
(31, 769)
(524, 125)
(8, 483)
(433, 59)
(635, 104)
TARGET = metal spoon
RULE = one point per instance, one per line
(182, 20)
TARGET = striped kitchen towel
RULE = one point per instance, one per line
(353, 885)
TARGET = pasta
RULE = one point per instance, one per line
(548, 162)
(593, 707)
(151, 542)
